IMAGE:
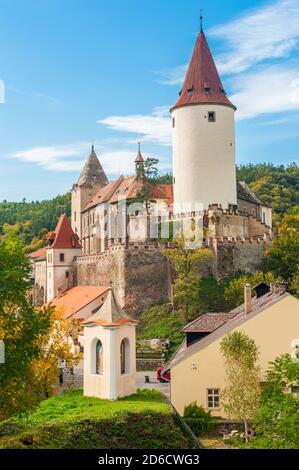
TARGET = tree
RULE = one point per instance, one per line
(283, 257)
(21, 327)
(187, 266)
(55, 347)
(147, 173)
(277, 419)
(234, 292)
(241, 395)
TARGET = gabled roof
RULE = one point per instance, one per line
(240, 317)
(92, 172)
(208, 322)
(110, 314)
(76, 298)
(128, 188)
(63, 235)
(202, 83)
(41, 252)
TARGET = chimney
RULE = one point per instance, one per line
(247, 298)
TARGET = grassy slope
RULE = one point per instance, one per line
(143, 420)
(160, 322)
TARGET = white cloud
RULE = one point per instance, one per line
(71, 157)
(154, 128)
(55, 158)
(271, 89)
(270, 32)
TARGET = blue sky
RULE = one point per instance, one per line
(109, 70)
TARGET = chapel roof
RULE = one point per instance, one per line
(75, 299)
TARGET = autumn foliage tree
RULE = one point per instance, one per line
(241, 395)
(21, 328)
(55, 347)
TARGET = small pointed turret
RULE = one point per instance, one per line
(139, 163)
(92, 173)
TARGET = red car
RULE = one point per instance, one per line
(163, 377)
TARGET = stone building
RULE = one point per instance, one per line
(53, 265)
(119, 236)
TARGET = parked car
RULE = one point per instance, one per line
(163, 377)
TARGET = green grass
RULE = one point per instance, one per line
(143, 420)
(160, 322)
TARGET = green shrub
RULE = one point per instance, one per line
(200, 421)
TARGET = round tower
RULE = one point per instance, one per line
(204, 167)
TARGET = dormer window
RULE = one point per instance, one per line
(207, 90)
(222, 91)
(180, 92)
(190, 91)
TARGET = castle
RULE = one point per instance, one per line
(110, 241)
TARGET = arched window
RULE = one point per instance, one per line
(125, 356)
(99, 358)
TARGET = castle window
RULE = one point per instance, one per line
(67, 274)
(75, 216)
(61, 257)
(211, 116)
(125, 356)
(207, 90)
(173, 122)
(99, 358)
(213, 398)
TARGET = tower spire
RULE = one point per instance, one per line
(139, 163)
(201, 20)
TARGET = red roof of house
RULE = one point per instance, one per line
(202, 83)
(76, 298)
(38, 253)
(63, 235)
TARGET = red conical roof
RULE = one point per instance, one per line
(64, 236)
(202, 83)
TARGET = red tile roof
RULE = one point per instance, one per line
(76, 298)
(63, 236)
(128, 188)
(202, 83)
(36, 254)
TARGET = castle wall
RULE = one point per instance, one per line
(138, 274)
(238, 255)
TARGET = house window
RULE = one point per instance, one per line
(173, 122)
(213, 397)
(125, 356)
(61, 257)
(99, 358)
(67, 274)
(211, 116)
